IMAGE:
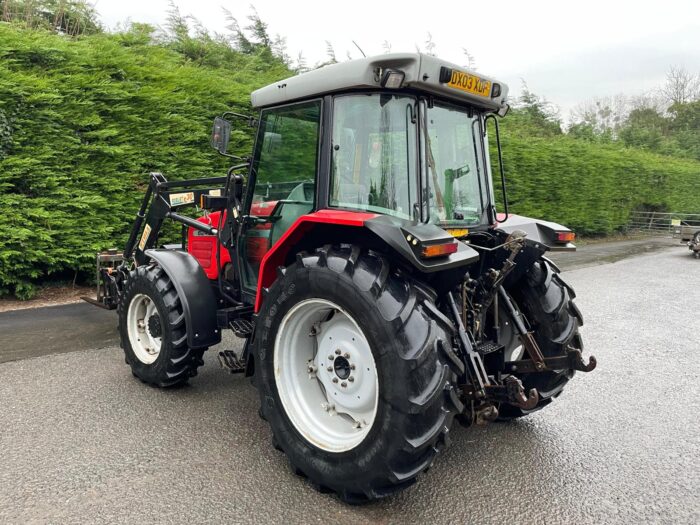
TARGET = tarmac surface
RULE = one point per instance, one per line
(82, 441)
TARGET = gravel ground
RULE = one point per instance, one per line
(82, 441)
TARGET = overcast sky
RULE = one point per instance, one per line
(566, 51)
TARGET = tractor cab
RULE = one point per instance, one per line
(399, 135)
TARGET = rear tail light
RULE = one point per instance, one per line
(438, 250)
(565, 236)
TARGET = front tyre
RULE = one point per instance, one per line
(153, 331)
(355, 370)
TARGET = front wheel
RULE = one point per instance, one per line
(355, 370)
(153, 330)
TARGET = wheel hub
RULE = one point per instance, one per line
(154, 326)
(341, 366)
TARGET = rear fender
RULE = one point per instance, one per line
(377, 229)
(196, 294)
(541, 235)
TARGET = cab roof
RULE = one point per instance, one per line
(422, 72)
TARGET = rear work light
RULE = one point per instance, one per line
(392, 79)
(565, 236)
(438, 250)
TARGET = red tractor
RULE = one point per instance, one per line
(360, 257)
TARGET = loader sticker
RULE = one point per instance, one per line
(178, 199)
(144, 237)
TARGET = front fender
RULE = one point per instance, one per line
(195, 292)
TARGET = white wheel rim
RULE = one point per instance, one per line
(146, 347)
(333, 409)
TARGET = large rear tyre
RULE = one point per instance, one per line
(547, 303)
(343, 313)
(153, 331)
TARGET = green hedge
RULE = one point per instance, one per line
(82, 123)
(592, 187)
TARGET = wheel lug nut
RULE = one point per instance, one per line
(337, 351)
(330, 368)
(335, 379)
(343, 384)
(352, 367)
(346, 355)
(351, 379)
(330, 358)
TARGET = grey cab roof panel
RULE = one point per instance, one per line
(422, 73)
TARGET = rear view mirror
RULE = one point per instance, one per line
(220, 135)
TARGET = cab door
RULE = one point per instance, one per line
(282, 182)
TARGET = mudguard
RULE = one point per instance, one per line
(395, 233)
(539, 232)
(196, 294)
(391, 231)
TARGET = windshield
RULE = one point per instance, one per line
(455, 178)
(374, 154)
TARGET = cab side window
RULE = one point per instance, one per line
(286, 161)
(287, 152)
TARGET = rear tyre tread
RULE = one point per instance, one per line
(547, 302)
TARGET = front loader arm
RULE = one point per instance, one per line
(161, 201)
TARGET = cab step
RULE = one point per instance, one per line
(242, 327)
(230, 361)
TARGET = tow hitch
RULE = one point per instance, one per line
(571, 361)
(483, 392)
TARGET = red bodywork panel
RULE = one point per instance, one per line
(277, 254)
(203, 247)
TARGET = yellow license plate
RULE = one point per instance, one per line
(470, 83)
(457, 232)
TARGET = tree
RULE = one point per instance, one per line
(602, 116)
(300, 66)
(681, 86)
(535, 115)
(685, 126)
(279, 49)
(471, 61)
(69, 17)
(645, 128)
(429, 45)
